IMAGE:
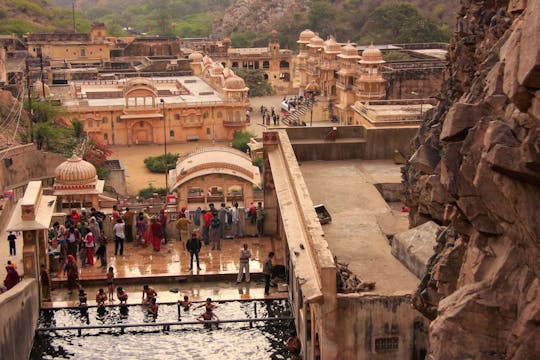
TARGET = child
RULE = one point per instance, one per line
(101, 297)
(153, 307)
(110, 281)
(186, 303)
(83, 300)
(122, 295)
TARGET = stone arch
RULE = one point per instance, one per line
(142, 132)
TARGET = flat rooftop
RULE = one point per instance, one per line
(347, 190)
(199, 91)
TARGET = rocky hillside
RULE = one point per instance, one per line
(22, 16)
(13, 121)
(476, 169)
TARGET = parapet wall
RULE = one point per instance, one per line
(19, 313)
(352, 142)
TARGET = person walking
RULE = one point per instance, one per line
(45, 284)
(155, 233)
(260, 219)
(236, 226)
(72, 273)
(193, 245)
(267, 271)
(245, 254)
(128, 218)
(163, 219)
(73, 240)
(215, 239)
(119, 236)
(207, 216)
(142, 229)
(12, 244)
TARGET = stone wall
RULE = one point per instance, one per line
(352, 142)
(380, 327)
(415, 83)
(19, 313)
(482, 180)
(27, 163)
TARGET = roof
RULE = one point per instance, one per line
(44, 211)
(214, 160)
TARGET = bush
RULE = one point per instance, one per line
(156, 164)
(149, 191)
(241, 139)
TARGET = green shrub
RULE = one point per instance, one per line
(149, 191)
(156, 164)
(241, 139)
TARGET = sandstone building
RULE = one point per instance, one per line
(210, 106)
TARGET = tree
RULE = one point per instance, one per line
(401, 23)
(255, 81)
(97, 153)
(241, 139)
(78, 128)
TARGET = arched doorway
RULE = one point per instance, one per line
(142, 132)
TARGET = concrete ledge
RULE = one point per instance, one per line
(19, 312)
(414, 247)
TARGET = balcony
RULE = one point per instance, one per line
(235, 123)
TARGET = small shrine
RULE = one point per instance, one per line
(76, 184)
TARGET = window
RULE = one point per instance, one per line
(283, 64)
(176, 116)
(118, 119)
(104, 120)
(266, 64)
(90, 123)
(219, 114)
(388, 344)
(234, 64)
(207, 131)
(171, 133)
(83, 52)
(141, 123)
(205, 115)
(105, 136)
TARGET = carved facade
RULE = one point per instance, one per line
(210, 106)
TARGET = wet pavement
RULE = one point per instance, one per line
(169, 269)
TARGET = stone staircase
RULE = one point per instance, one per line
(296, 117)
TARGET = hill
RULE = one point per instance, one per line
(249, 22)
(23, 16)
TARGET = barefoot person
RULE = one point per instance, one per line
(208, 304)
(206, 316)
(185, 304)
(110, 283)
(150, 294)
(122, 295)
(101, 297)
(153, 308)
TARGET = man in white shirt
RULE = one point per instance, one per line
(236, 226)
(245, 254)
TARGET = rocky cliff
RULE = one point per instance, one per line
(476, 169)
(256, 15)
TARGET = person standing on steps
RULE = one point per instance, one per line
(245, 254)
(215, 239)
(193, 245)
(129, 218)
(119, 236)
(267, 271)
(12, 244)
(236, 226)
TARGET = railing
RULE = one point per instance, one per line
(164, 325)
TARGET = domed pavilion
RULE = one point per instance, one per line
(214, 174)
(76, 184)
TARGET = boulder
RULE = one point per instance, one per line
(414, 247)
(528, 74)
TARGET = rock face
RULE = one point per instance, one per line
(258, 15)
(477, 171)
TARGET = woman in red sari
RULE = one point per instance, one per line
(155, 233)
